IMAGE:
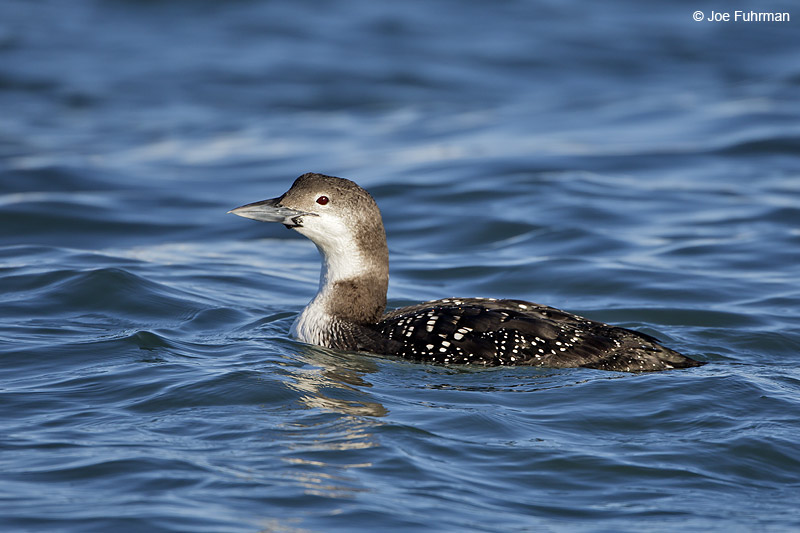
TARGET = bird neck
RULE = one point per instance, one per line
(352, 287)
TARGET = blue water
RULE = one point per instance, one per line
(613, 159)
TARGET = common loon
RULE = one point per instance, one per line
(348, 312)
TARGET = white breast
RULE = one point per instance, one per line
(310, 326)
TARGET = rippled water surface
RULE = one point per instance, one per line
(621, 162)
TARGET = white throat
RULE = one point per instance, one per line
(341, 260)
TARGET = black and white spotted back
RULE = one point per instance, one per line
(513, 332)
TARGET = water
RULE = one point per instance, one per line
(628, 164)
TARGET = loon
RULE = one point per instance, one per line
(348, 311)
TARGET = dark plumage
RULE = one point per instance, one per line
(514, 332)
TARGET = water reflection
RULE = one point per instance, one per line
(334, 439)
(334, 382)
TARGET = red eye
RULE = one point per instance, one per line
(322, 200)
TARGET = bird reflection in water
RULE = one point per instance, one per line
(333, 439)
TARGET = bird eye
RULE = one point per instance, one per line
(322, 200)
